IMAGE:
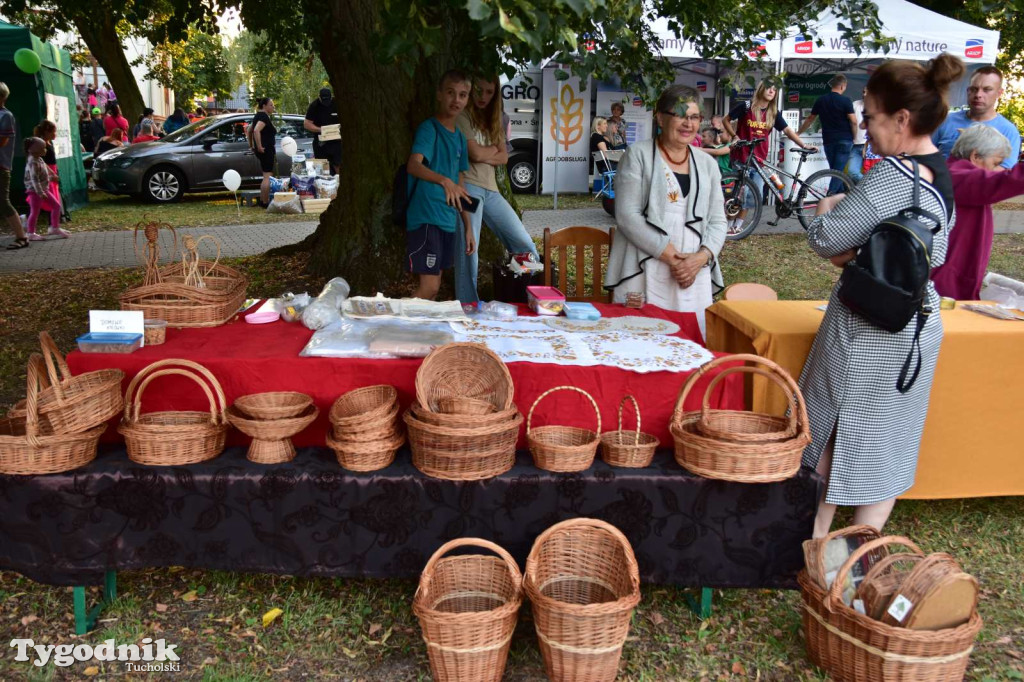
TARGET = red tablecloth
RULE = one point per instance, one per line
(255, 358)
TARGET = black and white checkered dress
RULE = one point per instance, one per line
(849, 380)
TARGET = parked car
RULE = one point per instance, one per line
(521, 98)
(194, 158)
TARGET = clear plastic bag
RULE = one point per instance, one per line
(292, 205)
(496, 310)
(326, 188)
(376, 339)
(326, 309)
(291, 305)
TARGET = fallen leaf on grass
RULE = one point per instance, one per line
(656, 618)
(271, 615)
(1001, 640)
(92, 670)
(374, 628)
(348, 652)
(738, 668)
(33, 618)
(1016, 654)
(209, 631)
(161, 608)
(189, 596)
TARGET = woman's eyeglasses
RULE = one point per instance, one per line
(692, 118)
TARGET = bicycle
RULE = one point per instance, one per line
(739, 189)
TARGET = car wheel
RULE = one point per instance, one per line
(522, 173)
(163, 185)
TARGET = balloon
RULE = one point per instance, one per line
(27, 60)
(288, 146)
(232, 180)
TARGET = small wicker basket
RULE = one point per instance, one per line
(463, 370)
(366, 456)
(271, 438)
(631, 449)
(563, 448)
(462, 454)
(751, 427)
(468, 606)
(362, 405)
(174, 438)
(273, 405)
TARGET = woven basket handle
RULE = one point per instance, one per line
(56, 368)
(835, 592)
(691, 381)
(884, 564)
(584, 522)
(171, 366)
(480, 543)
(636, 408)
(35, 377)
(529, 417)
(212, 265)
(780, 381)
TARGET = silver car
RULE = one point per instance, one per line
(194, 158)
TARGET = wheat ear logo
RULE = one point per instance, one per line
(566, 117)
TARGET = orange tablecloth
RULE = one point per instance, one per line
(972, 444)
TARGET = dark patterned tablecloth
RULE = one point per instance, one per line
(310, 517)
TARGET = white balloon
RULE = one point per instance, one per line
(288, 146)
(232, 180)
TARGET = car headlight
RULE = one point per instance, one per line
(122, 162)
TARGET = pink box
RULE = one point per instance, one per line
(545, 300)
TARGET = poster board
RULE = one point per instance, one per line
(565, 134)
(58, 111)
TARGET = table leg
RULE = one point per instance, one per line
(85, 620)
(703, 610)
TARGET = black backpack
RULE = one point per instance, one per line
(887, 282)
(400, 193)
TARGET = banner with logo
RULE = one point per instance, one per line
(58, 111)
(565, 134)
(637, 117)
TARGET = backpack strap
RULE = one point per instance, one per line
(915, 198)
(902, 385)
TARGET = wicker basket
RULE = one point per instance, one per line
(468, 606)
(750, 427)
(583, 581)
(275, 405)
(363, 405)
(174, 438)
(462, 454)
(72, 404)
(935, 573)
(563, 448)
(631, 449)
(883, 580)
(466, 406)
(854, 647)
(271, 438)
(730, 459)
(368, 456)
(383, 427)
(465, 421)
(814, 550)
(463, 370)
(30, 447)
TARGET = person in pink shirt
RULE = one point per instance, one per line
(114, 119)
(978, 182)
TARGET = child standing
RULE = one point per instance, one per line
(37, 191)
(708, 137)
(47, 132)
(436, 189)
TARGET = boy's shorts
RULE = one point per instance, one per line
(430, 250)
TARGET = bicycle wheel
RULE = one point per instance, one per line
(817, 187)
(740, 221)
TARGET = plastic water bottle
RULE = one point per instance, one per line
(776, 181)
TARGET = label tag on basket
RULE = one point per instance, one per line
(118, 322)
(900, 607)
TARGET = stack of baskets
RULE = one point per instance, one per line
(271, 419)
(365, 431)
(909, 617)
(746, 447)
(464, 426)
(174, 438)
(563, 448)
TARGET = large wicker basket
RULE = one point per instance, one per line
(563, 448)
(71, 404)
(583, 581)
(30, 447)
(174, 438)
(467, 606)
(754, 427)
(739, 451)
(632, 449)
(463, 370)
(854, 647)
(462, 454)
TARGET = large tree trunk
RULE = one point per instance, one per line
(98, 31)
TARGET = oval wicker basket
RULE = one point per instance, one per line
(882, 581)
(934, 573)
(362, 405)
(366, 456)
(273, 405)
(468, 606)
(583, 582)
(465, 406)
(563, 448)
(753, 427)
(729, 459)
(271, 438)
(631, 449)
(462, 454)
(174, 438)
(29, 447)
(463, 370)
(71, 404)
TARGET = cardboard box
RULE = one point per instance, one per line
(330, 133)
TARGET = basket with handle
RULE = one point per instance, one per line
(72, 404)
(753, 427)
(463, 370)
(883, 580)
(462, 453)
(174, 438)
(815, 548)
(853, 647)
(28, 446)
(583, 581)
(563, 448)
(935, 572)
(468, 606)
(729, 459)
(632, 449)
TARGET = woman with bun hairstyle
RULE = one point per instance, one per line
(866, 433)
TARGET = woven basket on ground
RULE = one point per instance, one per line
(363, 405)
(273, 405)
(563, 448)
(174, 438)
(732, 458)
(366, 456)
(883, 580)
(463, 370)
(583, 581)
(632, 449)
(854, 647)
(814, 550)
(467, 606)
(30, 447)
(936, 574)
(71, 404)
(462, 454)
(271, 438)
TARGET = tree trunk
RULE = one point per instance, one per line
(100, 36)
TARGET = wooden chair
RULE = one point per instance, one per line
(581, 238)
(748, 291)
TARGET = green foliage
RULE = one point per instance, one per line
(194, 66)
(292, 80)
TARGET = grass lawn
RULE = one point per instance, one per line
(545, 202)
(365, 629)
